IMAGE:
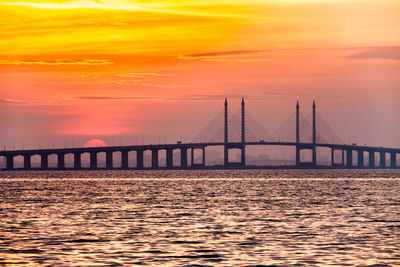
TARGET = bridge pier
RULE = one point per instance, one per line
(393, 163)
(124, 159)
(204, 156)
(170, 158)
(139, 159)
(184, 161)
(382, 159)
(44, 161)
(360, 159)
(27, 162)
(349, 158)
(109, 160)
(9, 162)
(60, 161)
(93, 160)
(371, 163)
(77, 161)
(314, 147)
(154, 159)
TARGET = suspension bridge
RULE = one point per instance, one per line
(232, 131)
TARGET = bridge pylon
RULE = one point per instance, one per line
(226, 150)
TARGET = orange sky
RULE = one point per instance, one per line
(121, 69)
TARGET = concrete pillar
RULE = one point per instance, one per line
(109, 160)
(154, 159)
(192, 156)
(314, 149)
(297, 134)
(243, 154)
(332, 157)
(77, 161)
(393, 163)
(10, 162)
(343, 157)
(204, 156)
(349, 157)
(382, 159)
(371, 159)
(61, 161)
(226, 152)
(139, 159)
(44, 161)
(184, 162)
(27, 162)
(169, 158)
(124, 159)
(93, 160)
(360, 159)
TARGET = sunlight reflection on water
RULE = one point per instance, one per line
(200, 220)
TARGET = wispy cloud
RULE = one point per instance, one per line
(57, 62)
(383, 52)
(286, 94)
(225, 53)
(115, 98)
(144, 74)
(11, 101)
(232, 55)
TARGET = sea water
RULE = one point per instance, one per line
(200, 218)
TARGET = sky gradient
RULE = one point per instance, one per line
(71, 71)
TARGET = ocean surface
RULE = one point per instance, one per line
(200, 218)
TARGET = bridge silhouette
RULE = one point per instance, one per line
(232, 131)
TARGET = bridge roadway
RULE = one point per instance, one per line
(346, 152)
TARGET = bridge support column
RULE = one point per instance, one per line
(297, 134)
(226, 152)
(139, 159)
(371, 163)
(27, 162)
(343, 157)
(44, 162)
(192, 156)
(382, 159)
(93, 160)
(170, 158)
(393, 163)
(332, 156)
(10, 162)
(154, 159)
(124, 160)
(204, 156)
(349, 158)
(184, 162)
(109, 160)
(360, 159)
(60, 161)
(77, 161)
(314, 148)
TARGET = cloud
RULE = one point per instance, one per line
(225, 53)
(57, 62)
(274, 93)
(144, 74)
(382, 52)
(114, 98)
(231, 55)
(10, 101)
(208, 97)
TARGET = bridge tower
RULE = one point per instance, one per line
(226, 153)
(243, 161)
(297, 134)
(314, 137)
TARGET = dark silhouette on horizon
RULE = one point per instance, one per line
(232, 131)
